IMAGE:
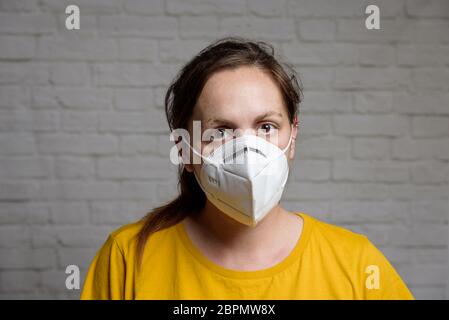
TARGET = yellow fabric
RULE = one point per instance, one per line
(328, 262)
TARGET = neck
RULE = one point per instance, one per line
(229, 234)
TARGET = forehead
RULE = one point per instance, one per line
(240, 90)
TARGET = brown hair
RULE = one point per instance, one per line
(180, 99)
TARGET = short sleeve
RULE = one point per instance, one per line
(381, 281)
(105, 279)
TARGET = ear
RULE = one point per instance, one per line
(295, 129)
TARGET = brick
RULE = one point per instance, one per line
(132, 74)
(78, 256)
(413, 149)
(320, 30)
(18, 190)
(132, 122)
(424, 274)
(72, 97)
(138, 190)
(413, 192)
(434, 103)
(180, 50)
(24, 72)
(429, 9)
(368, 212)
(317, 78)
(17, 47)
(328, 147)
(14, 97)
(72, 47)
(28, 23)
(341, 8)
(431, 126)
(201, 7)
(19, 5)
(311, 54)
(86, 6)
(375, 78)
(430, 31)
(326, 102)
(365, 191)
(69, 213)
(267, 8)
(133, 99)
(429, 211)
(166, 191)
(14, 236)
(76, 144)
(74, 167)
(372, 125)
(382, 235)
(79, 121)
(64, 74)
(16, 144)
(25, 167)
(137, 50)
(377, 55)
(314, 191)
(431, 78)
(151, 26)
(373, 102)
(158, 145)
(198, 27)
(78, 190)
(135, 168)
(26, 258)
(123, 212)
(371, 148)
(390, 30)
(19, 281)
(53, 281)
(315, 125)
(262, 28)
(145, 7)
(428, 293)
(23, 213)
(418, 55)
(380, 171)
(441, 152)
(312, 170)
(430, 172)
(81, 236)
(427, 255)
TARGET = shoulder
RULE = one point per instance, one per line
(125, 237)
(338, 238)
(346, 243)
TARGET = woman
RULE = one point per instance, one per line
(226, 236)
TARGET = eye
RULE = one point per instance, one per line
(219, 134)
(267, 128)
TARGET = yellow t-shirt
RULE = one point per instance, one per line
(328, 262)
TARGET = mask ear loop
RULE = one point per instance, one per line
(291, 137)
(189, 147)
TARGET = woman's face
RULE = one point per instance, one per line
(246, 99)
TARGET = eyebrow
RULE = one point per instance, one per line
(258, 118)
(268, 114)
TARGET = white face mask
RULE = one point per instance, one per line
(244, 177)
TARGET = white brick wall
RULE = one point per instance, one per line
(84, 142)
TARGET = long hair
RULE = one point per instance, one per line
(180, 99)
